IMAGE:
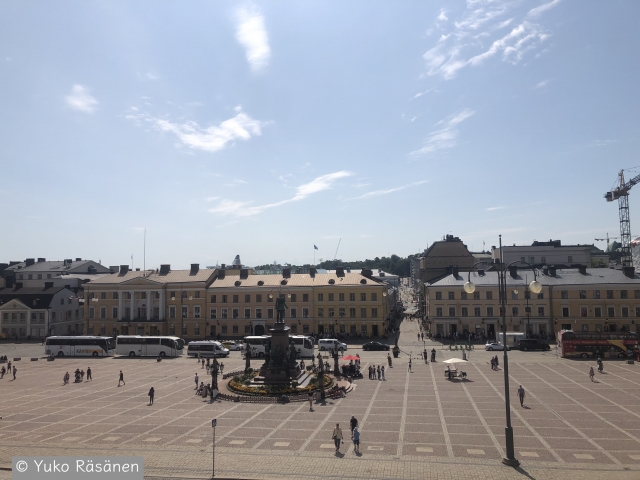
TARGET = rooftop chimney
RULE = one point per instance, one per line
(312, 272)
(194, 268)
(244, 273)
(42, 260)
(513, 271)
(286, 272)
(164, 269)
(137, 269)
(78, 259)
(30, 261)
(223, 266)
(340, 271)
(124, 269)
(454, 271)
(48, 285)
(552, 270)
(582, 269)
(114, 268)
(629, 271)
(366, 272)
(18, 286)
(221, 274)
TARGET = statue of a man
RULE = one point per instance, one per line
(293, 353)
(280, 307)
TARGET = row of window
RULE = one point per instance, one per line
(564, 294)
(30, 276)
(331, 297)
(488, 295)
(235, 312)
(477, 311)
(515, 311)
(23, 315)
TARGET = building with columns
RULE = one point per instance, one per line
(152, 302)
(234, 302)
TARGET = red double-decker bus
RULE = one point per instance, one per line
(596, 344)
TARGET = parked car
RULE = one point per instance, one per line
(375, 346)
(491, 346)
(330, 344)
(233, 345)
(533, 344)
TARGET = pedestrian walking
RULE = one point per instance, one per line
(65, 378)
(409, 365)
(591, 373)
(353, 423)
(2, 372)
(355, 436)
(378, 371)
(496, 362)
(203, 363)
(14, 372)
(382, 372)
(493, 364)
(310, 401)
(389, 360)
(196, 380)
(221, 368)
(422, 335)
(337, 437)
(89, 374)
(82, 375)
(121, 379)
(152, 392)
(521, 395)
(418, 337)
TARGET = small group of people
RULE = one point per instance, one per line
(495, 363)
(376, 371)
(9, 370)
(338, 437)
(78, 375)
(209, 365)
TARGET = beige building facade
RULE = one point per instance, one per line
(581, 299)
(233, 303)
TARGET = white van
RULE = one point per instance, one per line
(330, 344)
(256, 345)
(207, 348)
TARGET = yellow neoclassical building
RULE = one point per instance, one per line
(234, 302)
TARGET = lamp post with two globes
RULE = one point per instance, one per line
(534, 287)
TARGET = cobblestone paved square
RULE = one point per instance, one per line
(413, 425)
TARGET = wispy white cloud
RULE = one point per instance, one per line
(209, 139)
(491, 209)
(446, 136)
(602, 143)
(377, 193)
(80, 99)
(245, 209)
(537, 11)
(482, 21)
(251, 33)
(542, 84)
(211, 199)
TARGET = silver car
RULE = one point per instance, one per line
(491, 346)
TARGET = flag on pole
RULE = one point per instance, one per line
(315, 248)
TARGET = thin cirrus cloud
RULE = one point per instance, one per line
(446, 136)
(80, 99)
(463, 43)
(251, 33)
(491, 209)
(210, 139)
(245, 209)
(377, 193)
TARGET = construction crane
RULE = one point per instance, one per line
(621, 193)
(607, 240)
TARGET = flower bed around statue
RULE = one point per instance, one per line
(241, 384)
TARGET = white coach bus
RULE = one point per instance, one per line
(139, 346)
(80, 346)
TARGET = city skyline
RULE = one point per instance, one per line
(263, 129)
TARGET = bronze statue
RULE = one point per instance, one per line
(280, 307)
(293, 353)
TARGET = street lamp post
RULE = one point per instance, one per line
(535, 287)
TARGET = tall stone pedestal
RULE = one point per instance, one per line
(277, 369)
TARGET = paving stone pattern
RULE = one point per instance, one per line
(413, 425)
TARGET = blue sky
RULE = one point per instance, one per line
(264, 128)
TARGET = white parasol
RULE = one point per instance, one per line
(455, 360)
